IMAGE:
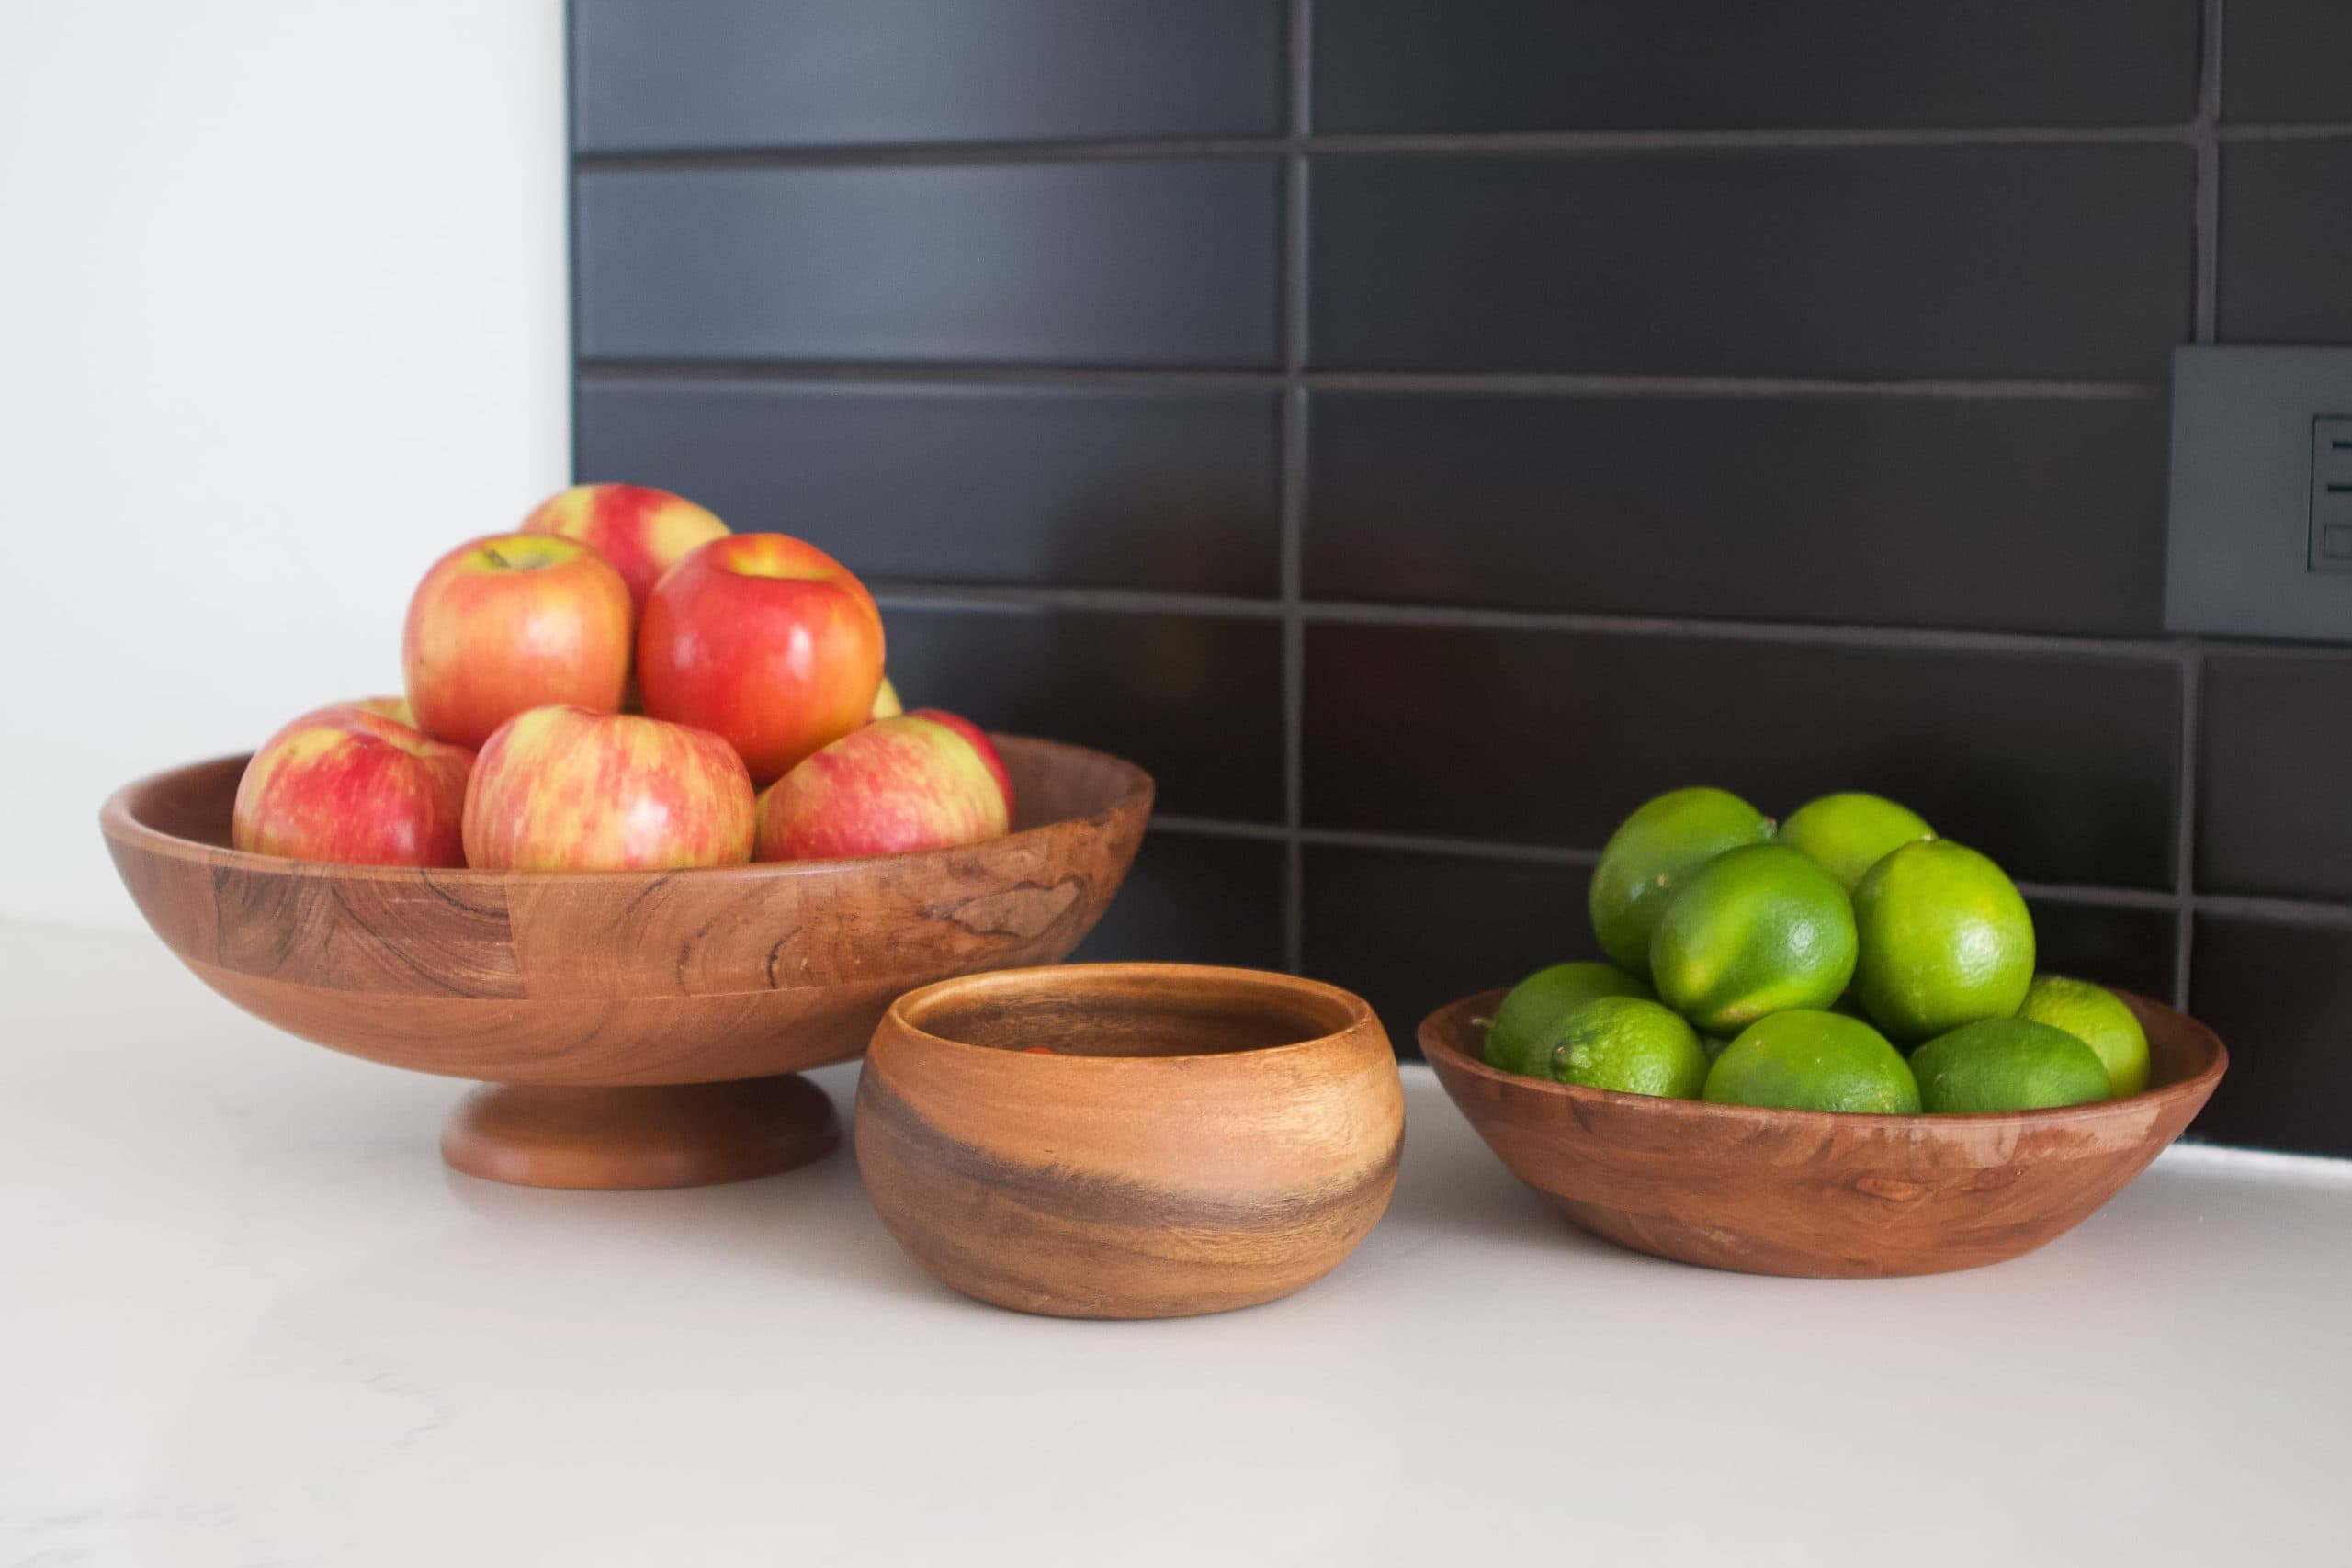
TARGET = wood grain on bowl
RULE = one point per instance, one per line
(1193, 1140)
(1811, 1193)
(605, 979)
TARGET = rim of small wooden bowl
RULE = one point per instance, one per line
(1044, 977)
(1459, 1014)
(119, 822)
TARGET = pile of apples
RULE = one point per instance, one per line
(626, 684)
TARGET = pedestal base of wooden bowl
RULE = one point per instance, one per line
(625, 1139)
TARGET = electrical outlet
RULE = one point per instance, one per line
(2260, 537)
(2332, 493)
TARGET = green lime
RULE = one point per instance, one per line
(1540, 1001)
(2005, 1064)
(1651, 852)
(2096, 1016)
(1713, 1045)
(1629, 1044)
(1851, 832)
(1814, 1061)
(1946, 941)
(1756, 929)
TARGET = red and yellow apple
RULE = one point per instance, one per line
(565, 789)
(512, 622)
(394, 708)
(344, 784)
(886, 701)
(980, 743)
(764, 640)
(896, 785)
(641, 531)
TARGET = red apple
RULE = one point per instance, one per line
(886, 701)
(565, 789)
(764, 640)
(980, 743)
(342, 783)
(512, 622)
(641, 531)
(898, 785)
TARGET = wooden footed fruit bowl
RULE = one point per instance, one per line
(636, 1029)
(1188, 1140)
(1809, 1193)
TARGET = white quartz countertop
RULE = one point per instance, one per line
(248, 1318)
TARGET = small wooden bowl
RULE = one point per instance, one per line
(1199, 1139)
(1808, 1193)
(639, 1029)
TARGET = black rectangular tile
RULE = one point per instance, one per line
(1528, 65)
(1172, 489)
(2280, 998)
(2287, 61)
(1193, 899)
(2286, 242)
(2132, 949)
(1895, 510)
(2067, 262)
(2275, 753)
(664, 75)
(2059, 768)
(1196, 701)
(1096, 263)
(1409, 932)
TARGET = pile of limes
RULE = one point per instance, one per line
(1793, 965)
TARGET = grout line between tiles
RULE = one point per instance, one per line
(2184, 871)
(2287, 912)
(577, 378)
(1302, 143)
(2094, 895)
(2277, 911)
(1299, 31)
(1013, 600)
(2208, 231)
(2316, 132)
(785, 372)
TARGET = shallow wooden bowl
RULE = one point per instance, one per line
(1808, 1193)
(638, 1029)
(1198, 1139)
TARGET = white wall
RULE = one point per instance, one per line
(281, 319)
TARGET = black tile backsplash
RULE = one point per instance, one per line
(1851, 262)
(2278, 996)
(2275, 790)
(2058, 767)
(1408, 930)
(1195, 699)
(2131, 948)
(1418, 430)
(1146, 488)
(667, 74)
(2286, 224)
(1535, 66)
(2288, 60)
(1191, 898)
(1808, 509)
(1091, 264)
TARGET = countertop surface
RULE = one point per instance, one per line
(250, 1319)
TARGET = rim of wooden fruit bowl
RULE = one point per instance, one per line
(120, 822)
(1130, 985)
(1463, 1014)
